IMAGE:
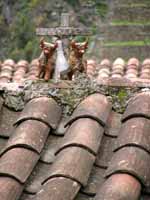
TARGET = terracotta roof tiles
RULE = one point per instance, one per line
(135, 131)
(119, 186)
(50, 115)
(145, 72)
(113, 124)
(77, 148)
(37, 177)
(22, 151)
(7, 70)
(105, 153)
(8, 117)
(99, 154)
(50, 148)
(118, 68)
(33, 70)
(90, 68)
(133, 107)
(91, 108)
(38, 135)
(84, 133)
(128, 172)
(58, 188)
(117, 72)
(66, 165)
(120, 73)
(131, 160)
(10, 188)
(104, 69)
(20, 71)
(96, 179)
(18, 163)
(132, 68)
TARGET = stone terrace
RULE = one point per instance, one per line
(126, 31)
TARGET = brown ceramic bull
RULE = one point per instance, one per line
(46, 60)
(75, 60)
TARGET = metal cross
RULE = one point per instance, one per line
(65, 30)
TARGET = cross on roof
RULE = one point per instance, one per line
(65, 30)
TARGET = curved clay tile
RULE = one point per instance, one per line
(119, 187)
(128, 169)
(9, 62)
(77, 153)
(7, 71)
(23, 149)
(20, 71)
(90, 68)
(145, 71)
(133, 110)
(90, 132)
(135, 131)
(132, 68)
(93, 109)
(33, 70)
(118, 68)
(50, 109)
(7, 185)
(131, 159)
(104, 71)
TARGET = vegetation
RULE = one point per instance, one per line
(136, 5)
(127, 43)
(130, 23)
(18, 38)
(19, 19)
(101, 8)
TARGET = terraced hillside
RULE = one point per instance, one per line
(127, 31)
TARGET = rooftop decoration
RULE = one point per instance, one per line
(76, 50)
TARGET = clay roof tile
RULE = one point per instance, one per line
(145, 71)
(43, 109)
(105, 62)
(74, 163)
(18, 163)
(76, 157)
(85, 133)
(9, 62)
(119, 186)
(133, 62)
(142, 99)
(67, 189)
(95, 106)
(104, 69)
(135, 132)
(31, 134)
(118, 68)
(121, 162)
(118, 62)
(6, 185)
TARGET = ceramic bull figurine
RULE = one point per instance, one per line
(75, 60)
(46, 60)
